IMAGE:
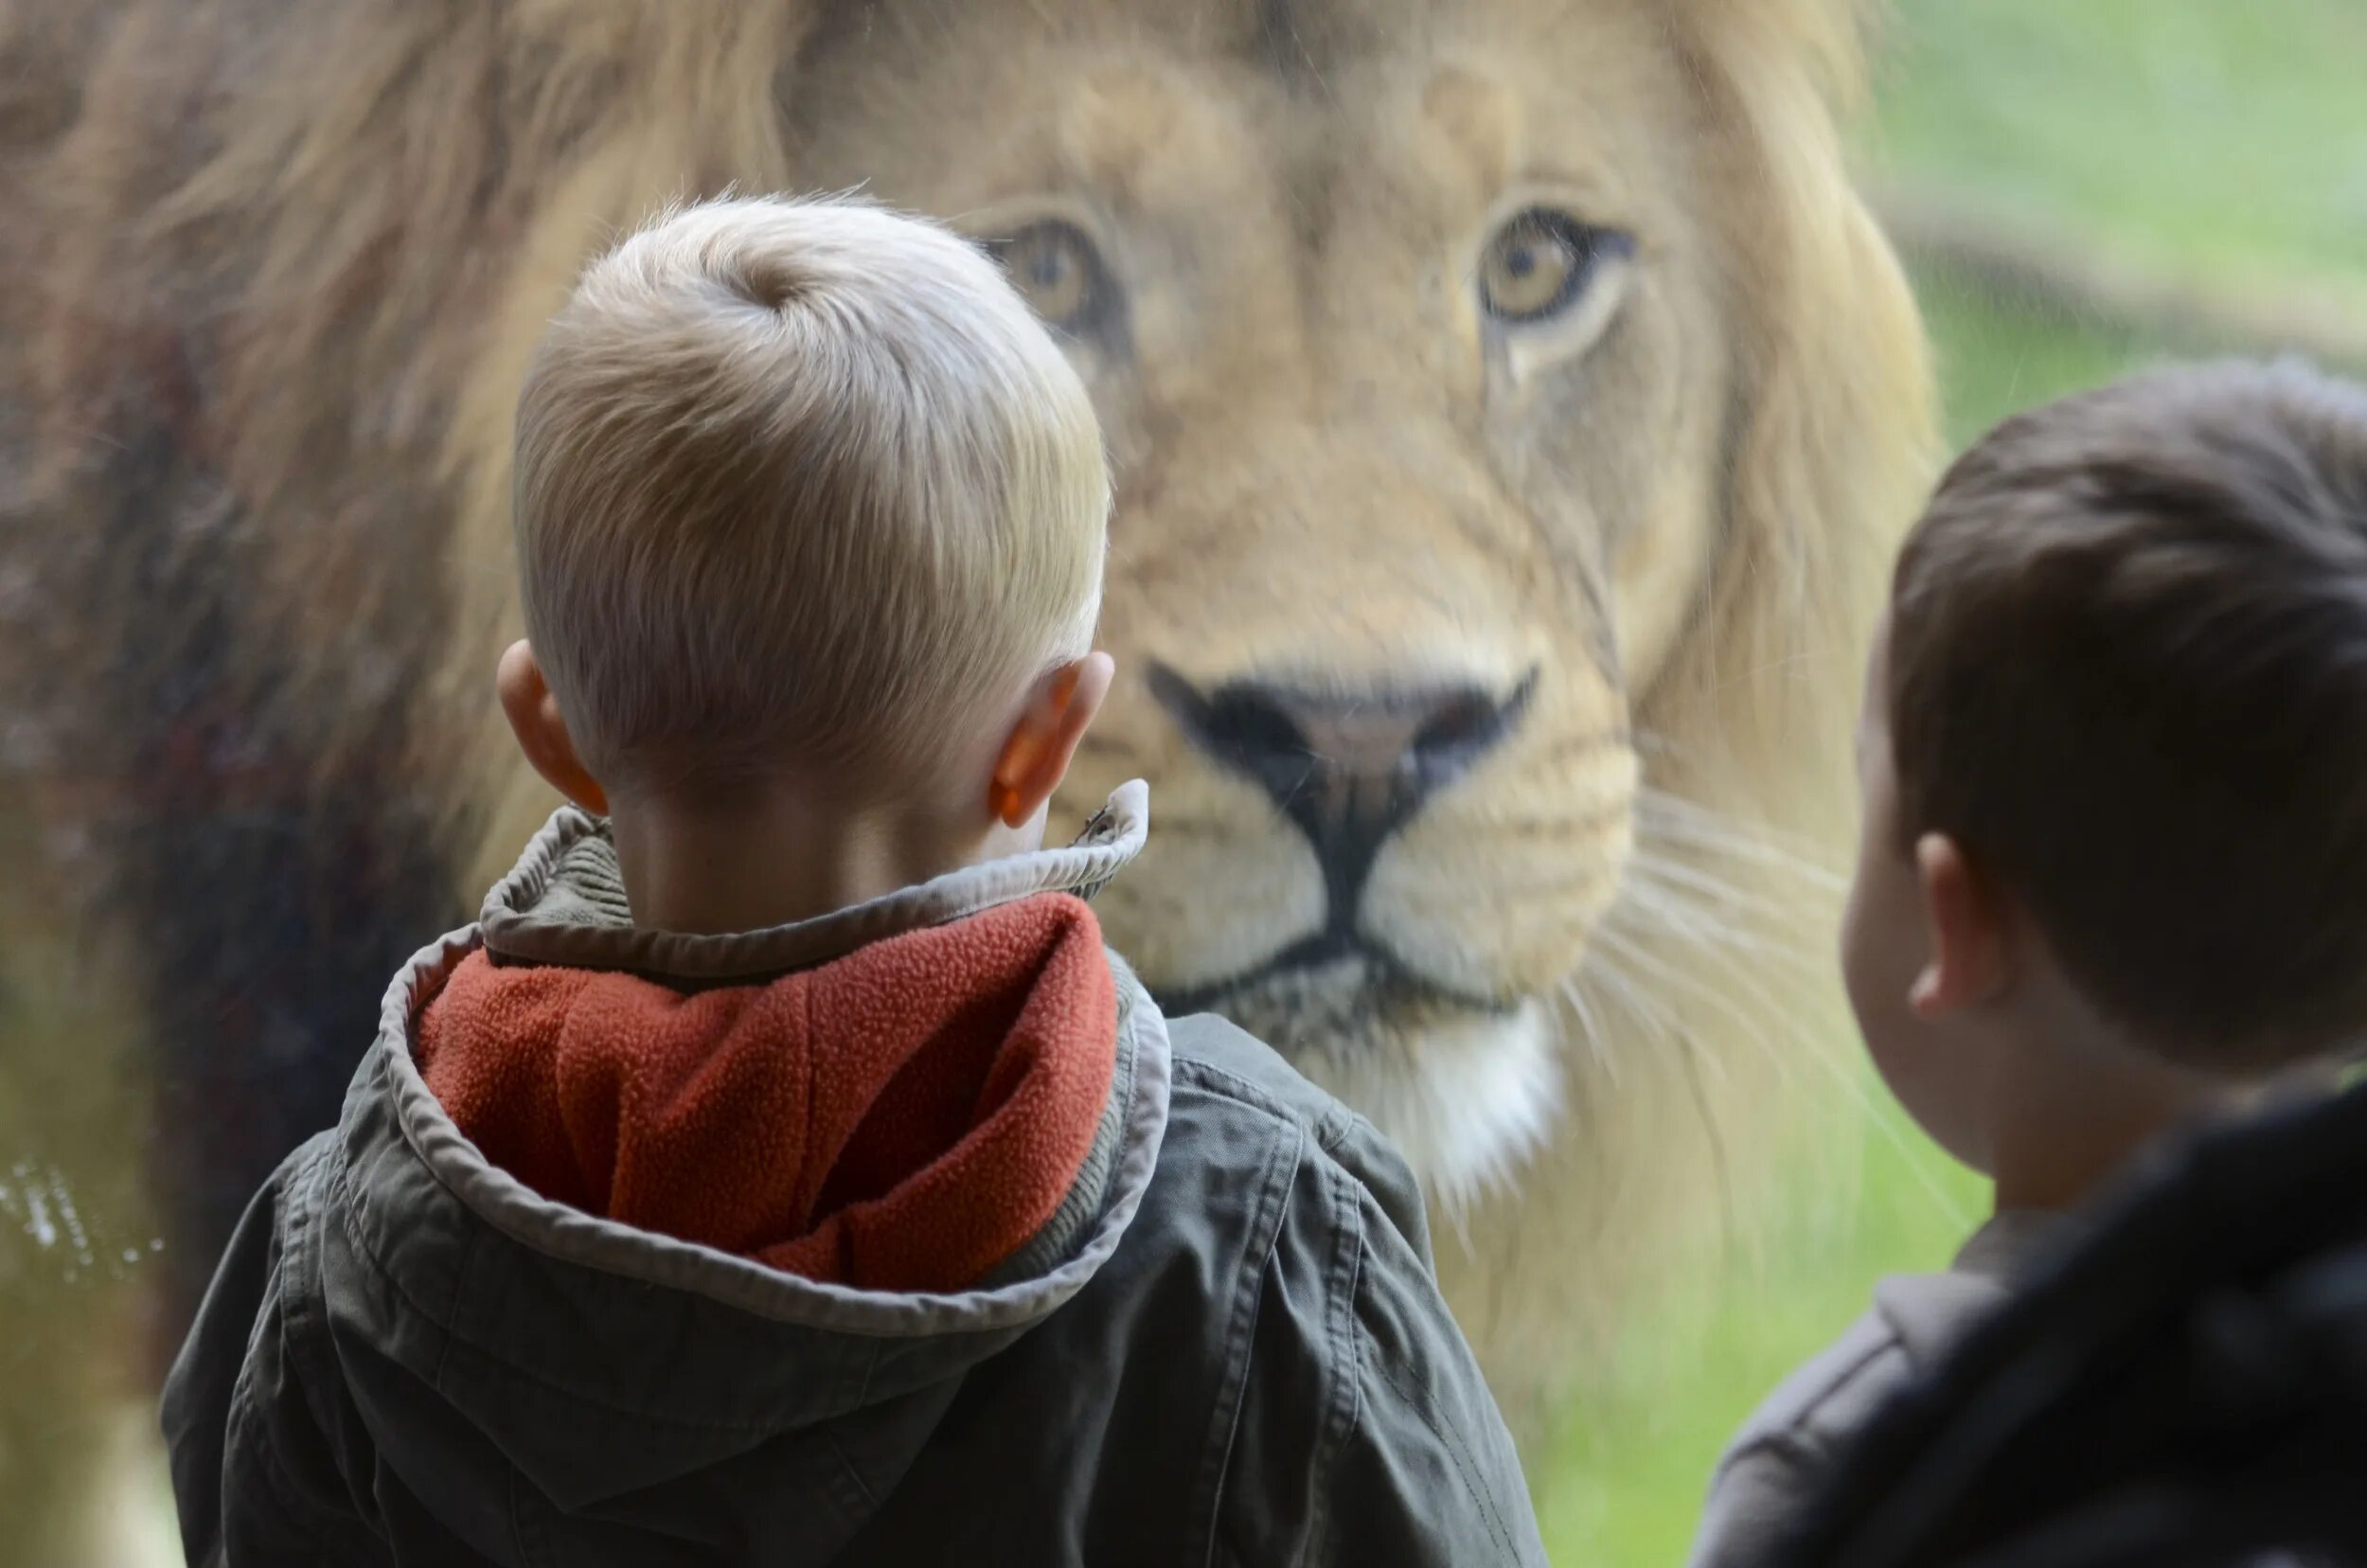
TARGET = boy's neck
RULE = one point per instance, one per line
(2069, 1114)
(780, 856)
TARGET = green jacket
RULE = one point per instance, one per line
(1231, 1349)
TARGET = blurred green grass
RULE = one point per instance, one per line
(2201, 137)
(2204, 135)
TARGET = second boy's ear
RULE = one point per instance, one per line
(1968, 960)
(1036, 755)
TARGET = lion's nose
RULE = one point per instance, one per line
(1347, 769)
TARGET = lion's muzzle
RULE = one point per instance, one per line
(1347, 770)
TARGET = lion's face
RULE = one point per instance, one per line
(1414, 367)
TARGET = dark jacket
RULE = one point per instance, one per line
(1235, 1352)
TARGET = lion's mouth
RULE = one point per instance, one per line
(1464, 1084)
(1338, 973)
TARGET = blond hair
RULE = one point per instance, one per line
(799, 482)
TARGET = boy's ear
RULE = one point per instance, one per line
(1969, 962)
(534, 718)
(1036, 752)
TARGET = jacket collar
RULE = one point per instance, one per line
(564, 902)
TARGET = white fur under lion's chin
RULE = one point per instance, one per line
(1466, 1102)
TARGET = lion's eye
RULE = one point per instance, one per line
(1057, 270)
(1538, 264)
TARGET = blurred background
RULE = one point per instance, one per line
(2079, 188)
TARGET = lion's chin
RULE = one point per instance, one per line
(1467, 1092)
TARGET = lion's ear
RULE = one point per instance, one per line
(1835, 439)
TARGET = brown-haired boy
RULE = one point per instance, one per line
(2113, 872)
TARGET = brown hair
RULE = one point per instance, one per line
(2129, 672)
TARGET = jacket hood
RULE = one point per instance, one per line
(905, 1117)
(791, 1318)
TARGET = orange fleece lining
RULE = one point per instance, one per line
(903, 1118)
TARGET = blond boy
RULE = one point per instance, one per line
(782, 1170)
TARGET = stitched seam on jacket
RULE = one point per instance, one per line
(1239, 1090)
(299, 1269)
(863, 1488)
(497, 1360)
(1340, 1358)
(251, 1438)
(451, 1312)
(1337, 1126)
(852, 1489)
(528, 1539)
(1473, 1481)
(1240, 1338)
(262, 1446)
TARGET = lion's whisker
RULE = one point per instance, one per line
(1667, 807)
(1765, 852)
(1636, 954)
(1647, 863)
(1699, 905)
(1590, 1029)
(1453, 1205)
(1706, 929)
(1745, 922)
(1861, 1098)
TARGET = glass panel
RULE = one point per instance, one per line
(1502, 384)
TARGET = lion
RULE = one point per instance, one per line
(1512, 404)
